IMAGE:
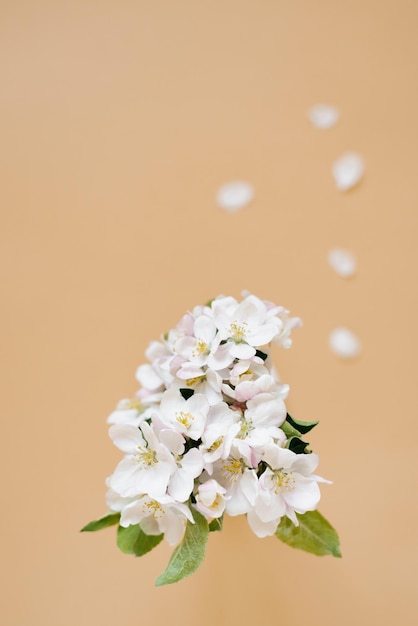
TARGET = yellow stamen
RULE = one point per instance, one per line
(216, 444)
(186, 419)
(233, 469)
(154, 509)
(238, 331)
(200, 347)
(146, 457)
(283, 481)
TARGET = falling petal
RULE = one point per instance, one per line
(234, 195)
(323, 115)
(344, 343)
(343, 262)
(348, 170)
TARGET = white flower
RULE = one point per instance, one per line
(240, 483)
(286, 487)
(208, 383)
(147, 466)
(158, 515)
(128, 412)
(222, 426)
(196, 348)
(245, 326)
(187, 417)
(189, 465)
(210, 499)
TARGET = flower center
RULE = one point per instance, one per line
(192, 381)
(218, 442)
(185, 419)
(135, 403)
(153, 508)
(238, 331)
(146, 456)
(246, 428)
(233, 469)
(200, 347)
(283, 481)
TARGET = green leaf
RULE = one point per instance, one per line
(104, 522)
(314, 534)
(302, 427)
(186, 393)
(133, 540)
(298, 446)
(289, 430)
(189, 554)
(216, 524)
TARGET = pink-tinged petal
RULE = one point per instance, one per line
(241, 350)
(186, 324)
(260, 528)
(246, 390)
(126, 437)
(266, 409)
(184, 346)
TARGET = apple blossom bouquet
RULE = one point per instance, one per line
(208, 434)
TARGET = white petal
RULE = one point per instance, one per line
(348, 170)
(261, 529)
(234, 195)
(173, 527)
(344, 343)
(304, 497)
(221, 358)
(241, 350)
(192, 462)
(342, 262)
(126, 437)
(323, 115)
(148, 378)
(181, 485)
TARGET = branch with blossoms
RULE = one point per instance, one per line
(208, 434)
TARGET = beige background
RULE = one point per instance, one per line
(119, 120)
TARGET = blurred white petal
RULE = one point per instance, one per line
(323, 115)
(348, 170)
(234, 195)
(344, 343)
(343, 262)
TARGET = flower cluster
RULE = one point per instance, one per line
(208, 434)
(208, 429)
